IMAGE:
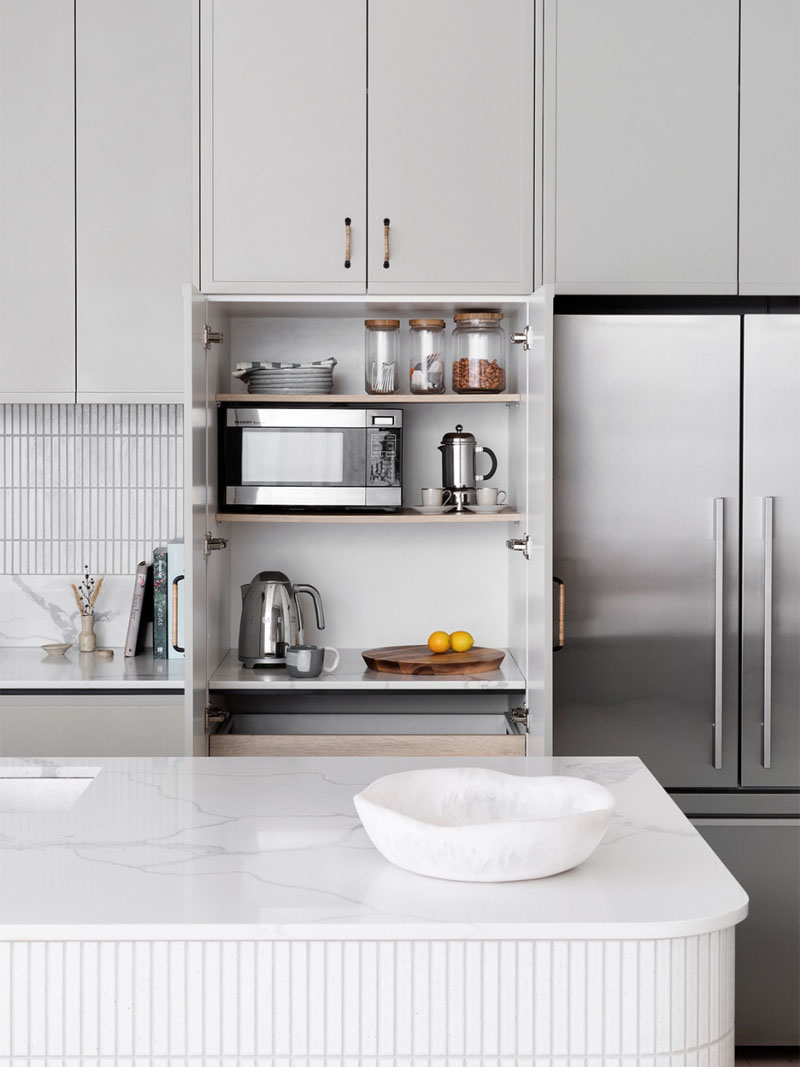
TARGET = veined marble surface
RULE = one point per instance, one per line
(182, 848)
(33, 669)
(40, 609)
(353, 673)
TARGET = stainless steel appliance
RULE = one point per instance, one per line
(458, 465)
(657, 418)
(315, 457)
(271, 618)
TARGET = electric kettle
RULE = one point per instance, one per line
(272, 620)
(458, 465)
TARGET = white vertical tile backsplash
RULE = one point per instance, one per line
(95, 484)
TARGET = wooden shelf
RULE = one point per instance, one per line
(395, 399)
(405, 515)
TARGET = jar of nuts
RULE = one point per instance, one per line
(479, 352)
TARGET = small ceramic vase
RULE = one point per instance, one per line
(87, 642)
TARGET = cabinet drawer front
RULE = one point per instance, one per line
(366, 745)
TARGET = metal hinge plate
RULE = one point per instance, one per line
(212, 337)
(520, 715)
(520, 544)
(215, 716)
(213, 544)
(522, 338)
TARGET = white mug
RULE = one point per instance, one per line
(488, 497)
(435, 498)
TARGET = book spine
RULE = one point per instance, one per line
(137, 609)
(160, 633)
(175, 599)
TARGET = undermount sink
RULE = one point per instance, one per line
(24, 790)
(475, 825)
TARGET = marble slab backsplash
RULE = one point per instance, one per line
(82, 484)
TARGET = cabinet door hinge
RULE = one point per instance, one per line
(215, 716)
(522, 338)
(213, 544)
(212, 337)
(520, 544)
(520, 715)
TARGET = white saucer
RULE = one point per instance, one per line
(437, 510)
(486, 509)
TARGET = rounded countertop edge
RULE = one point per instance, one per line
(333, 931)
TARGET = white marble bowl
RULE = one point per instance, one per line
(474, 825)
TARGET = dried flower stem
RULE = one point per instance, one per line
(97, 589)
(76, 594)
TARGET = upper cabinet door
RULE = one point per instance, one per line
(451, 146)
(641, 140)
(283, 146)
(134, 195)
(769, 212)
(37, 221)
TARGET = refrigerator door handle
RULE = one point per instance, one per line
(719, 619)
(766, 725)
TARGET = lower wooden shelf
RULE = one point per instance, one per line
(405, 515)
(478, 745)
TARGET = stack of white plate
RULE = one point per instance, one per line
(308, 378)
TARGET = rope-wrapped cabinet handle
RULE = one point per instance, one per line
(347, 242)
(560, 638)
(386, 243)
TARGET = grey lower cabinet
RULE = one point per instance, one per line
(368, 144)
(641, 143)
(92, 724)
(769, 187)
(764, 856)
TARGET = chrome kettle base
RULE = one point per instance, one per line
(277, 661)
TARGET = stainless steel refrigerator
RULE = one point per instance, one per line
(677, 535)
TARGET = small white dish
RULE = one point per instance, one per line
(56, 650)
(469, 824)
(439, 509)
(486, 509)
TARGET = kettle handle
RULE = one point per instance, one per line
(493, 457)
(313, 592)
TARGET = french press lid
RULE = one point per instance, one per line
(459, 435)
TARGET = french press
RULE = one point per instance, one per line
(458, 466)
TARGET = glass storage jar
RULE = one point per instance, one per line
(427, 355)
(381, 355)
(479, 352)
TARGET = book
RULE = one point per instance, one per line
(141, 609)
(175, 599)
(160, 633)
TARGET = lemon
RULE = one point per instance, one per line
(439, 641)
(461, 641)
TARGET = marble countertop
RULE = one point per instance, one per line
(183, 848)
(31, 668)
(353, 674)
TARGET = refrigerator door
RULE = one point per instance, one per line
(646, 525)
(771, 552)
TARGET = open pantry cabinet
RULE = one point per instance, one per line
(386, 578)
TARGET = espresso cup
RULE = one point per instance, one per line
(435, 498)
(307, 661)
(488, 497)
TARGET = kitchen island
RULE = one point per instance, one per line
(233, 911)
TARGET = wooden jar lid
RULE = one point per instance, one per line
(382, 324)
(478, 313)
(427, 324)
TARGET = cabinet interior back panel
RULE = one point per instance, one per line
(88, 483)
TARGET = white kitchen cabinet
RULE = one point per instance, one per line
(292, 94)
(70, 724)
(641, 143)
(451, 146)
(134, 200)
(769, 159)
(384, 579)
(283, 146)
(37, 220)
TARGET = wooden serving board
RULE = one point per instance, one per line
(418, 659)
